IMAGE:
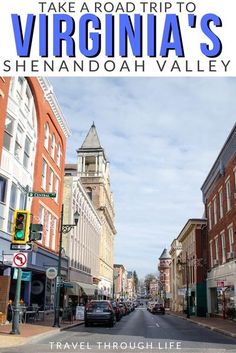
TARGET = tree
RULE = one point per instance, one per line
(135, 277)
(148, 279)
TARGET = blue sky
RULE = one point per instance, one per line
(161, 136)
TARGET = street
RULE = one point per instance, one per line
(139, 331)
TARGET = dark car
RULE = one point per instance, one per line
(117, 310)
(158, 309)
(99, 311)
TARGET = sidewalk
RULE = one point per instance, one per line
(32, 331)
(227, 327)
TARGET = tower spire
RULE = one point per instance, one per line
(91, 140)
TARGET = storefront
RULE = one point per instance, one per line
(221, 293)
(36, 288)
(79, 293)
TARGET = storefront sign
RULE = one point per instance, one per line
(51, 273)
(79, 315)
(220, 284)
(25, 275)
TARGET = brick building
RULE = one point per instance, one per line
(164, 276)
(32, 149)
(192, 271)
(219, 196)
(119, 281)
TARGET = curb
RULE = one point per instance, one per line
(36, 338)
(212, 328)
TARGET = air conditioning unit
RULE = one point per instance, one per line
(215, 262)
(230, 255)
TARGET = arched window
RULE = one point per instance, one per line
(58, 161)
(46, 135)
(89, 192)
(53, 146)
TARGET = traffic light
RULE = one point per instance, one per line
(20, 230)
(36, 231)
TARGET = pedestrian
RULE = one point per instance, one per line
(9, 310)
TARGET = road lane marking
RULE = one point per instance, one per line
(157, 324)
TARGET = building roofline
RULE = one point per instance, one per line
(189, 224)
(218, 163)
(53, 102)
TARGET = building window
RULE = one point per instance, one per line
(209, 216)
(228, 195)
(46, 135)
(22, 201)
(211, 254)
(54, 229)
(50, 185)
(89, 192)
(8, 133)
(217, 248)
(41, 221)
(48, 229)
(53, 146)
(3, 188)
(56, 189)
(221, 202)
(215, 210)
(12, 207)
(44, 174)
(223, 247)
(58, 155)
(231, 239)
(18, 143)
(20, 83)
(27, 152)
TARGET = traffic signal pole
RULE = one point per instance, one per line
(16, 309)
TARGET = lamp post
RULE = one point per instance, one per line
(64, 229)
(187, 281)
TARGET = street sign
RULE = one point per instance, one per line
(25, 275)
(51, 272)
(42, 194)
(20, 259)
(25, 247)
(68, 285)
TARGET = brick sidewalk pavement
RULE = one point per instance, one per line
(32, 331)
(218, 324)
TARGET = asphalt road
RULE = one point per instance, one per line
(138, 332)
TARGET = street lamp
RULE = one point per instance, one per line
(180, 263)
(64, 229)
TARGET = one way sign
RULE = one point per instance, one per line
(23, 247)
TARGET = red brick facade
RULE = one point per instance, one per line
(228, 217)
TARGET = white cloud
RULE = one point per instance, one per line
(161, 137)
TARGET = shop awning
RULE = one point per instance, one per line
(87, 288)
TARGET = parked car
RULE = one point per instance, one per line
(117, 310)
(158, 309)
(99, 311)
(122, 309)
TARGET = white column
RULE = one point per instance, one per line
(83, 169)
(96, 165)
